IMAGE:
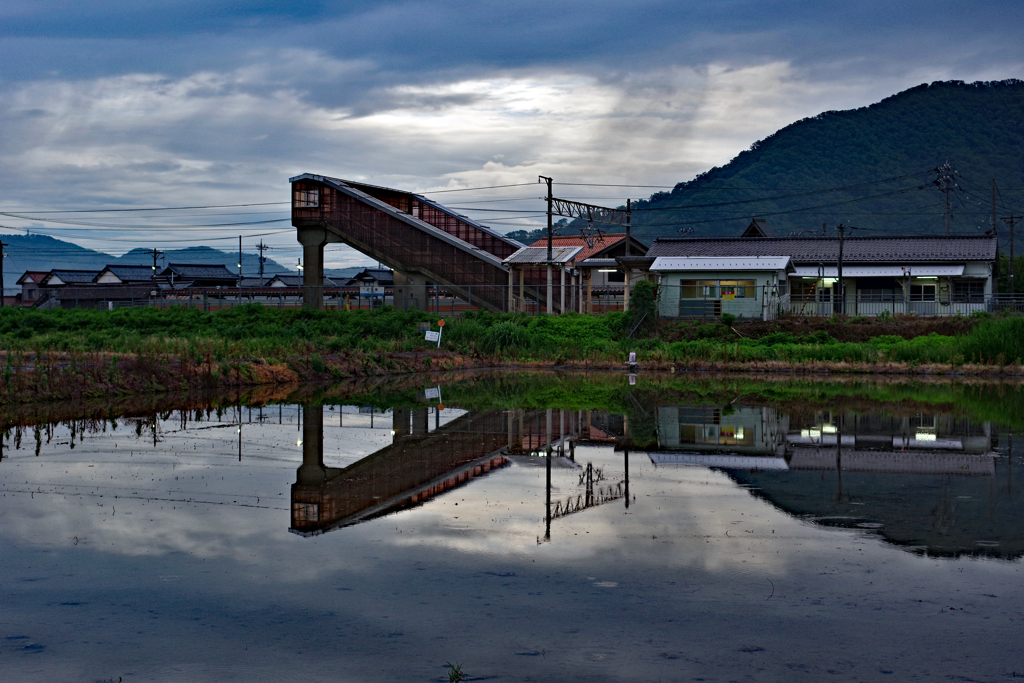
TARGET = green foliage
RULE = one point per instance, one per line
(455, 673)
(253, 331)
(728, 319)
(642, 308)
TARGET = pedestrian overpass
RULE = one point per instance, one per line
(422, 241)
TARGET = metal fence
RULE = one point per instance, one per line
(933, 307)
(531, 299)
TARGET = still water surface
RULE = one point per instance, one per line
(349, 543)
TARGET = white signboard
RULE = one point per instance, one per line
(433, 393)
(371, 291)
(433, 336)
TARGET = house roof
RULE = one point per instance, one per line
(253, 282)
(895, 250)
(296, 281)
(602, 244)
(380, 275)
(72, 277)
(199, 272)
(33, 275)
(129, 273)
(704, 263)
(758, 228)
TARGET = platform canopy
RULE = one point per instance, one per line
(879, 271)
(721, 263)
(538, 256)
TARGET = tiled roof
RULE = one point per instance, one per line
(135, 273)
(75, 276)
(296, 281)
(379, 275)
(915, 249)
(33, 275)
(606, 242)
(199, 272)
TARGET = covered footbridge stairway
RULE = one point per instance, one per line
(422, 241)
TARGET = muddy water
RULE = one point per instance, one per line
(347, 543)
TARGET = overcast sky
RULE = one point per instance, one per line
(187, 102)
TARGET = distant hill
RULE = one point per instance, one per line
(977, 127)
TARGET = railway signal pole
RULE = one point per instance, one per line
(156, 254)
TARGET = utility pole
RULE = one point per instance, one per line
(2, 254)
(946, 184)
(1011, 220)
(550, 200)
(239, 259)
(263, 259)
(629, 221)
(156, 254)
(839, 281)
(995, 232)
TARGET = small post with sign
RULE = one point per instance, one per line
(436, 336)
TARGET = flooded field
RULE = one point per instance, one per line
(651, 536)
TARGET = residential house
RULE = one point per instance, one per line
(199, 276)
(63, 278)
(372, 282)
(31, 283)
(121, 275)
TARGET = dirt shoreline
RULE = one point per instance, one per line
(32, 378)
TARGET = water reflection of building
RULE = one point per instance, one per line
(933, 483)
(732, 436)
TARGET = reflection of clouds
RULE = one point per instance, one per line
(682, 518)
(117, 493)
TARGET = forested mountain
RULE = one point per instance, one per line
(884, 157)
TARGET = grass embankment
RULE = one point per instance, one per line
(532, 390)
(74, 353)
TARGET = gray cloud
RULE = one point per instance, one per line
(179, 103)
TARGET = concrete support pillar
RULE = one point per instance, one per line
(511, 284)
(420, 421)
(590, 292)
(625, 290)
(561, 285)
(551, 293)
(313, 241)
(411, 292)
(312, 471)
(522, 287)
(399, 423)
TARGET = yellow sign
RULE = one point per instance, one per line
(728, 297)
(440, 323)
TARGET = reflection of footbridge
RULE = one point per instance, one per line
(422, 463)
(417, 466)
